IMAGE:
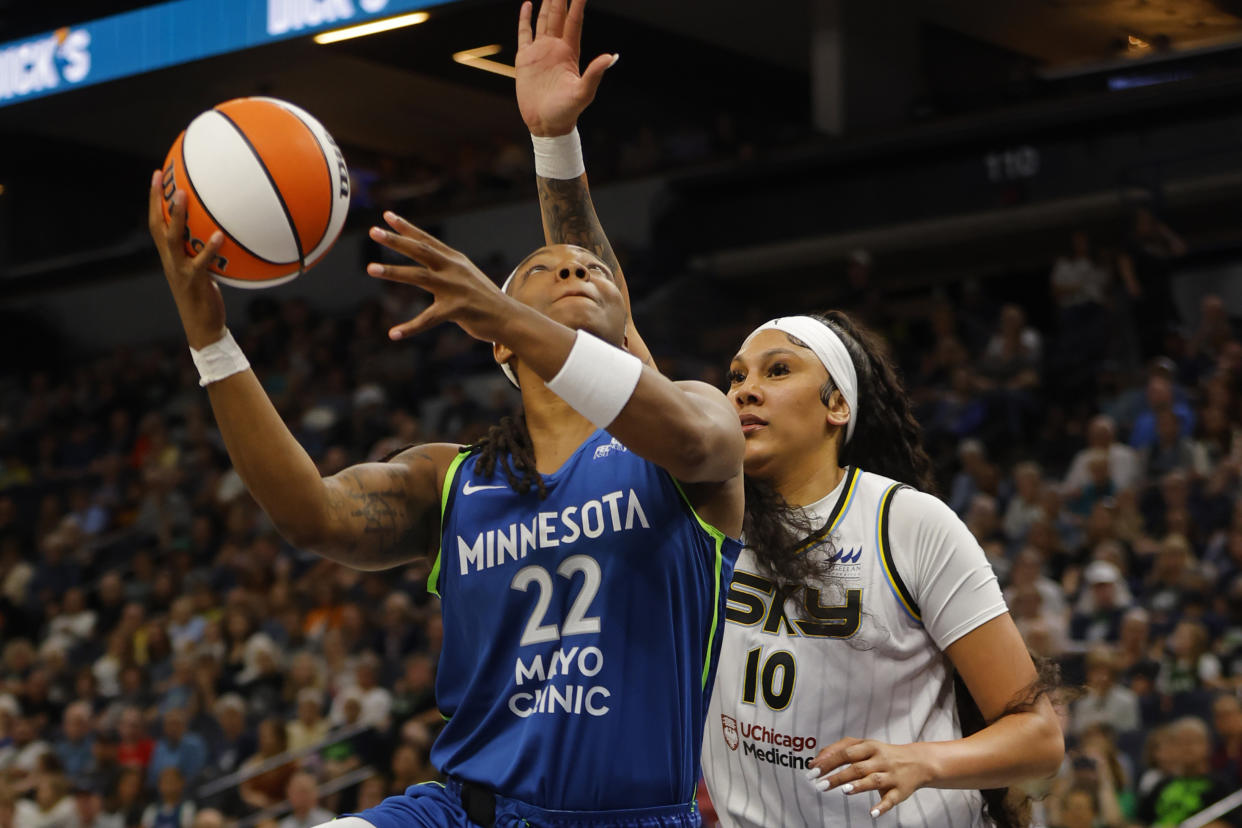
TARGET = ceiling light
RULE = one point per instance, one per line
(478, 59)
(1137, 42)
(374, 27)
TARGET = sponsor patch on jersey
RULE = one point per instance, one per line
(846, 563)
(730, 731)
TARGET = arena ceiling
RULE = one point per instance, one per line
(401, 92)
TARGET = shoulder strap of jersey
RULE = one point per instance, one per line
(903, 595)
(447, 491)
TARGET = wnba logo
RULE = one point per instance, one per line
(730, 730)
(846, 556)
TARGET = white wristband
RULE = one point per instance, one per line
(597, 379)
(559, 157)
(222, 358)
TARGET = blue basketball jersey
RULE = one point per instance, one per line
(581, 632)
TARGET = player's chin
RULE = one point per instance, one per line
(584, 315)
(759, 456)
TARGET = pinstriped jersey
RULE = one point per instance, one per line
(861, 655)
(580, 632)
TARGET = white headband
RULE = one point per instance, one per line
(828, 347)
(504, 366)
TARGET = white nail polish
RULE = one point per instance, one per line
(847, 787)
(823, 785)
(875, 812)
(813, 773)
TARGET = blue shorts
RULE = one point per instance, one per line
(432, 805)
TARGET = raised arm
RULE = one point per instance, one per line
(551, 96)
(370, 516)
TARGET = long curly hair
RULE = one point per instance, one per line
(887, 441)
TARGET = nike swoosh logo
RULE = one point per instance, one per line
(469, 489)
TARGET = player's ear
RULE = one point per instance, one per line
(838, 410)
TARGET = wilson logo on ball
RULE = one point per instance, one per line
(270, 178)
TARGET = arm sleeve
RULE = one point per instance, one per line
(943, 566)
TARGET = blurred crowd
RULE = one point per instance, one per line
(168, 660)
(502, 169)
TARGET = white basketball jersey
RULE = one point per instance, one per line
(853, 658)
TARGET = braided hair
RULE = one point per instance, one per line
(507, 447)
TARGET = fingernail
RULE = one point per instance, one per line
(156, 178)
(389, 215)
(823, 785)
(847, 787)
(375, 269)
(216, 237)
(394, 334)
(875, 812)
(615, 58)
(813, 772)
(379, 234)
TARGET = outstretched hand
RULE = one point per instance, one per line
(551, 93)
(855, 766)
(461, 293)
(194, 290)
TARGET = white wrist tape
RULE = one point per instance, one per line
(559, 157)
(222, 358)
(597, 379)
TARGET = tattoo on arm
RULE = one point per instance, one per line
(569, 218)
(377, 512)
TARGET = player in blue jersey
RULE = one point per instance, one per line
(584, 549)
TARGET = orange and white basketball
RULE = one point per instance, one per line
(270, 178)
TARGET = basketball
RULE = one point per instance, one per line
(270, 178)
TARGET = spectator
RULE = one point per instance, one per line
(21, 758)
(89, 808)
(1124, 465)
(1102, 622)
(1192, 786)
(1227, 722)
(233, 742)
(129, 799)
(136, 747)
(1160, 399)
(52, 807)
(177, 749)
(1145, 269)
(1105, 701)
(376, 701)
(310, 727)
(1188, 667)
(1009, 370)
(1026, 504)
(75, 749)
(172, 810)
(266, 786)
(303, 795)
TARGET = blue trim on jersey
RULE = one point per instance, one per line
(882, 553)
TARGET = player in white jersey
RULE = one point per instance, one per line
(836, 699)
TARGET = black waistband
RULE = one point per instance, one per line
(478, 802)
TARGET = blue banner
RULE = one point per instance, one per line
(167, 34)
